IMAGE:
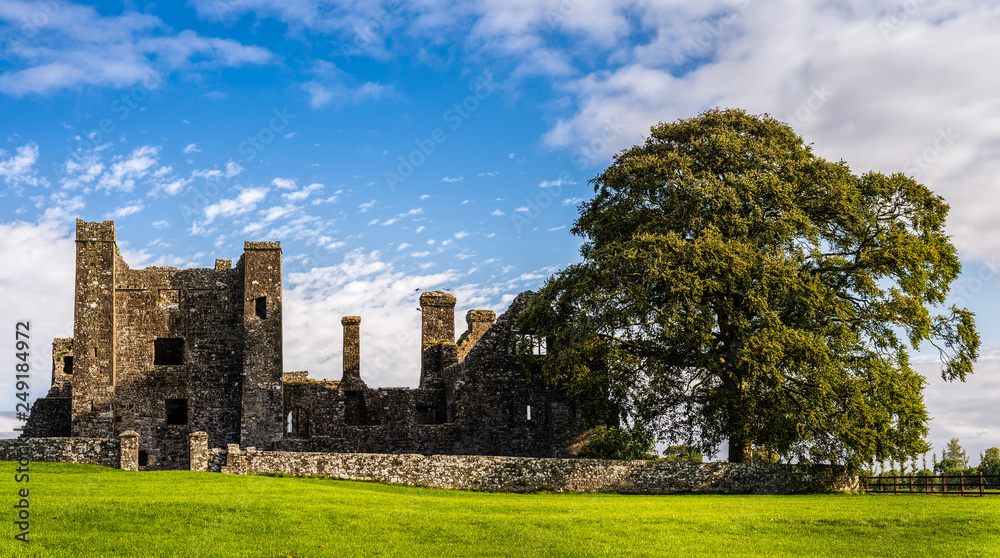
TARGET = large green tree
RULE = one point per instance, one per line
(735, 286)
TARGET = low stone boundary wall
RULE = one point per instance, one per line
(525, 474)
(98, 451)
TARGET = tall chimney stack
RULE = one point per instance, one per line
(351, 380)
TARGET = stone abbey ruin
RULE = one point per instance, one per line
(165, 353)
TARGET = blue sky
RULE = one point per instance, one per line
(394, 146)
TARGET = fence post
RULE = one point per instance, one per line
(895, 484)
(944, 483)
(911, 483)
(961, 483)
(981, 483)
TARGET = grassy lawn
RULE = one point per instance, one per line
(84, 510)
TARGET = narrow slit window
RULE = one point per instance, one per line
(168, 350)
(529, 412)
(177, 411)
(67, 365)
(260, 306)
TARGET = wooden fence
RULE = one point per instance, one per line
(958, 485)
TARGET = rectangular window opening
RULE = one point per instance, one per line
(261, 307)
(529, 412)
(143, 458)
(168, 350)
(67, 365)
(177, 411)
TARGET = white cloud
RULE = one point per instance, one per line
(451, 179)
(124, 171)
(425, 196)
(332, 85)
(423, 254)
(461, 234)
(243, 203)
(497, 213)
(38, 289)
(366, 206)
(18, 170)
(162, 224)
(192, 148)
(403, 246)
(284, 183)
(555, 183)
(124, 211)
(215, 175)
(302, 194)
(76, 46)
(522, 209)
(385, 298)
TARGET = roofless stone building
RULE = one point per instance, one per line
(166, 352)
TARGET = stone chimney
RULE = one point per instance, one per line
(438, 349)
(351, 380)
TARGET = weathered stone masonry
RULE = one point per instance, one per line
(165, 353)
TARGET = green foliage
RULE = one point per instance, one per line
(613, 442)
(88, 511)
(953, 459)
(989, 461)
(735, 286)
(687, 454)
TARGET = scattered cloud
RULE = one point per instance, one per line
(125, 211)
(192, 148)
(77, 46)
(18, 170)
(331, 85)
(243, 203)
(450, 179)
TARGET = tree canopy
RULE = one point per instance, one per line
(737, 287)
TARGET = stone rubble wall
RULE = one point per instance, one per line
(528, 474)
(98, 451)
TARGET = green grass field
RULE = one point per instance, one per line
(83, 510)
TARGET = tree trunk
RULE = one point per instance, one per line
(740, 451)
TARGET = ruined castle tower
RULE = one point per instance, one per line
(94, 329)
(164, 352)
(437, 337)
(262, 359)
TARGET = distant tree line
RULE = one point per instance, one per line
(953, 462)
